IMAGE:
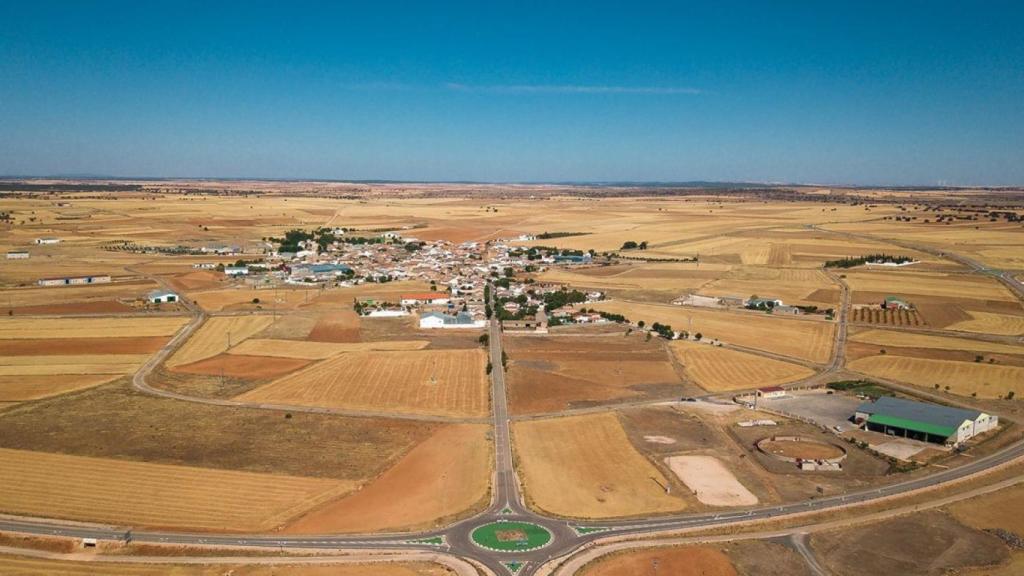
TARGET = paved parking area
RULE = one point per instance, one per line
(826, 409)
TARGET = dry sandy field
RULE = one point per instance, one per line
(805, 339)
(718, 369)
(552, 373)
(437, 382)
(586, 467)
(711, 482)
(21, 388)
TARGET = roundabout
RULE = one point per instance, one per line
(511, 536)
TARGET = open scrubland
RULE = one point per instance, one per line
(437, 382)
(717, 369)
(744, 557)
(586, 467)
(805, 339)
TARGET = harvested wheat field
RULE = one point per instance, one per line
(711, 481)
(21, 388)
(689, 561)
(212, 337)
(435, 382)
(586, 467)
(242, 298)
(74, 364)
(42, 328)
(912, 340)
(718, 369)
(446, 475)
(320, 350)
(805, 339)
(963, 378)
(990, 323)
(158, 495)
(25, 566)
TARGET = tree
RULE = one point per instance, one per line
(629, 245)
(484, 339)
(698, 336)
(1010, 395)
(641, 323)
(643, 245)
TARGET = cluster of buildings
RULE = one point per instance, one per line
(775, 305)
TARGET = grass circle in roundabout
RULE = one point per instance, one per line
(511, 536)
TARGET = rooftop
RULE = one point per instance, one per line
(887, 408)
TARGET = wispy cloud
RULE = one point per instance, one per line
(570, 89)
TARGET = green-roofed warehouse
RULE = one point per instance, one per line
(922, 421)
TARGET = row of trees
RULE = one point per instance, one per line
(631, 245)
(874, 258)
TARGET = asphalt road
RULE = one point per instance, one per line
(506, 501)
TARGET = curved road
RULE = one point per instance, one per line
(507, 503)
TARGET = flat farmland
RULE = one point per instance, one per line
(897, 338)
(719, 369)
(116, 421)
(996, 510)
(805, 339)
(664, 280)
(243, 367)
(436, 382)
(71, 346)
(212, 337)
(44, 328)
(963, 378)
(34, 387)
(74, 364)
(793, 286)
(158, 495)
(548, 374)
(336, 326)
(42, 296)
(691, 561)
(917, 284)
(586, 467)
(26, 566)
(241, 298)
(319, 350)
(990, 323)
(447, 475)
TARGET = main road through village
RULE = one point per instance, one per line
(507, 504)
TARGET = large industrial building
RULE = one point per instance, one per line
(922, 421)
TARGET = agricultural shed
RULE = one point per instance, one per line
(923, 421)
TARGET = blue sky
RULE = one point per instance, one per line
(827, 92)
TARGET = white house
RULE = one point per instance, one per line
(236, 270)
(48, 240)
(771, 392)
(17, 255)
